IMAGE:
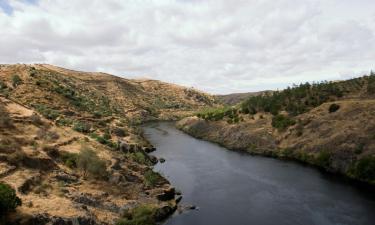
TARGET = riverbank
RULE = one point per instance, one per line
(338, 143)
(231, 187)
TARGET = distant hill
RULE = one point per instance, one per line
(235, 98)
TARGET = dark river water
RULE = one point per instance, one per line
(238, 189)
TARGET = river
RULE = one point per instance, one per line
(232, 188)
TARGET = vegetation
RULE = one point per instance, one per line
(5, 120)
(282, 122)
(364, 169)
(69, 159)
(47, 112)
(8, 199)
(16, 80)
(333, 108)
(90, 164)
(152, 178)
(215, 114)
(371, 83)
(141, 215)
(82, 127)
(323, 158)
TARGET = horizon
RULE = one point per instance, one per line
(214, 46)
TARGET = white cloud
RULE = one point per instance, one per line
(219, 46)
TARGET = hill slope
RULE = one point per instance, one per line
(96, 101)
(331, 125)
(71, 147)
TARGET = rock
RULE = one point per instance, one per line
(162, 160)
(67, 178)
(116, 178)
(178, 199)
(167, 194)
(116, 165)
(124, 147)
(152, 159)
(163, 213)
(86, 199)
(45, 219)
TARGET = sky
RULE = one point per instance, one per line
(218, 46)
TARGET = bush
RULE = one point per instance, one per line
(91, 164)
(82, 127)
(323, 159)
(141, 215)
(282, 122)
(364, 169)
(16, 80)
(152, 178)
(47, 112)
(333, 108)
(69, 159)
(5, 120)
(8, 199)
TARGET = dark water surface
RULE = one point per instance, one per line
(238, 189)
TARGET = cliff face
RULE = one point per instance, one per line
(340, 140)
(59, 144)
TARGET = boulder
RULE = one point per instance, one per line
(167, 194)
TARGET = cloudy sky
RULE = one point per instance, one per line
(219, 46)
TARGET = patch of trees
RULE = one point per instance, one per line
(296, 100)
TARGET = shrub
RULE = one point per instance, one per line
(82, 127)
(36, 120)
(364, 169)
(152, 178)
(333, 108)
(8, 199)
(119, 132)
(47, 112)
(323, 159)
(69, 159)
(16, 80)
(281, 122)
(5, 120)
(141, 215)
(91, 164)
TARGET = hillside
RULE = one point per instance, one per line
(71, 146)
(329, 124)
(97, 102)
(235, 98)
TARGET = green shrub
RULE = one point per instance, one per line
(47, 112)
(152, 178)
(8, 199)
(16, 80)
(282, 122)
(323, 159)
(364, 169)
(333, 108)
(69, 159)
(141, 215)
(82, 127)
(90, 164)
